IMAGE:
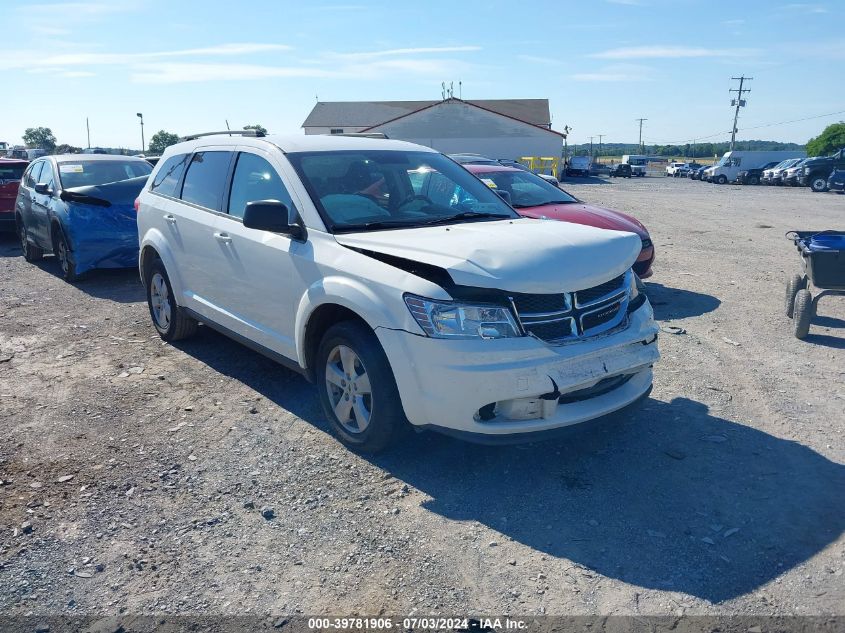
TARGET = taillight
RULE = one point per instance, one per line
(137, 204)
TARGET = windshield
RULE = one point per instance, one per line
(373, 190)
(85, 173)
(525, 188)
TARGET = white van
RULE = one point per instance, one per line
(732, 163)
(638, 163)
(400, 283)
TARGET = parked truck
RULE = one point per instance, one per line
(637, 162)
(579, 166)
(732, 163)
(817, 170)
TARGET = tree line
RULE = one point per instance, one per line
(43, 138)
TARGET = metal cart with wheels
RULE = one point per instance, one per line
(823, 268)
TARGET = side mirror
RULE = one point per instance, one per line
(504, 195)
(274, 216)
(42, 187)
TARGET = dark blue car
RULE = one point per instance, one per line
(80, 207)
(836, 181)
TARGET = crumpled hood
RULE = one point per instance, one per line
(524, 255)
(588, 214)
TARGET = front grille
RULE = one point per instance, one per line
(540, 304)
(555, 331)
(558, 318)
(584, 297)
(601, 316)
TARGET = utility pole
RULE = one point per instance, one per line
(591, 148)
(739, 102)
(143, 146)
(641, 133)
(600, 137)
(88, 130)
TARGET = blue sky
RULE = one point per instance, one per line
(190, 65)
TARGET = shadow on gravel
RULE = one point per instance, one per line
(676, 303)
(285, 387)
(121, 285)
(9, 246)
(666, 497)
(584, 180)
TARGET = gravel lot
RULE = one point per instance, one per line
(134, 473)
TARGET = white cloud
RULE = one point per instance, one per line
(536, 59)
(617, 73)
(672, 52)
(405, 51)
(800, 6)
(176, 73)
(630, 3)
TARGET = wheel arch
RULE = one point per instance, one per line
(154, 246)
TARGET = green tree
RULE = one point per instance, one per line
(828, 142)
(40, 138)
(161, 140)
(64, 148)
(257, 127)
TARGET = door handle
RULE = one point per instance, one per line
(223, 237)
(170, 218)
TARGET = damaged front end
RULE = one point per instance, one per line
(101, 225)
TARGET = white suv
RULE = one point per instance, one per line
(405, 287)
(676, 169)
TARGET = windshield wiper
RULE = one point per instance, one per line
(392, 224)
(466, 215)
(543, 204)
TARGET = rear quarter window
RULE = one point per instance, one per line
(167, 178)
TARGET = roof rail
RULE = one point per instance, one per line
(253, 133)
(362, 134)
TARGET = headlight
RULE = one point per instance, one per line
(448, 319)
(633, 290)
(806, 170)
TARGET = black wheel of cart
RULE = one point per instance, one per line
(793, 285)
(803, 313)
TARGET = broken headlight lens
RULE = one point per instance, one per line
(447, 319)
(633, 289)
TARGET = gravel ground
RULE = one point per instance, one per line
(144, 478)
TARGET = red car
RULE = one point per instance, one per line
(533, 197)
(11, 170)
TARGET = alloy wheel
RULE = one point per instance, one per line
(160, 301)
(349, 390)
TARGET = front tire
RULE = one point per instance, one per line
(753, 180)
(357, 389)
(61, 247)
(803, 313)
(31, 253)
(722, 180)
(169, 319)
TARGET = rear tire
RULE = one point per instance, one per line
(31, 253)
(818, 184)
(356, 382)
(754, 180)
(169, 319)
(793, 285)
(803, 313)
(722, 180)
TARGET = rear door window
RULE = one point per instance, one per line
(168, 177)
(205, 179)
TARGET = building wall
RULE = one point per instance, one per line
(454, 128)
(328, 130)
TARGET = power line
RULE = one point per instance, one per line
(745, 129)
